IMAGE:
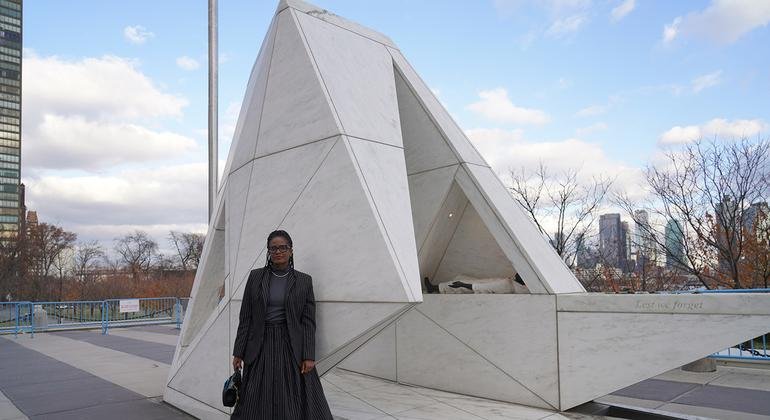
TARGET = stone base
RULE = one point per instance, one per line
(706, 364)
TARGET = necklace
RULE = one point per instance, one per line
(284, 274)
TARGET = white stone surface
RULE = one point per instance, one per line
(429, 356)
(244, 142)
(297, 109)
(359, 80)
(274, 187)
(427, 191)
(202, 373)
(462, 147)
(701, 303)
(237, 192)
(384, 175)
(193, 407)
(377, 357)
(603, 352)
(441, 231)
(424, 145)
(340, 240)
(473, 252)
(516, 333)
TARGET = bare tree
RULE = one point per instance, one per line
(707, 186)
(137, 252)
(563, 198)
(188, 246)
(46, 244)
(87, 259)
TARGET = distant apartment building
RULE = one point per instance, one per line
(674, 244)
(10, 118)
(612, 241)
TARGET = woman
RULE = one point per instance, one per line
(276, 341)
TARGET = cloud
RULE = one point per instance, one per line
(187, 63)
(108, 87)
(722, 22)
(566, 26)
(593, 128)
(622, 10)
(706, 81)
(72, 142)
(137, 34)
(496, 106)
(592, 111)
(718, 127)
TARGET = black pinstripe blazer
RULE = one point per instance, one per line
(300, 316)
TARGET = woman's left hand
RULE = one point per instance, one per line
(307, 366)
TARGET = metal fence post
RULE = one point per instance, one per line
(105, 317)
(16, 327)
(178, 309)
(31, 319)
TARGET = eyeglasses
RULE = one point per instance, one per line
(278, 249)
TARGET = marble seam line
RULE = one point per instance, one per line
(197, 400)
(588, 311)
(390, 318)
(558, 354)
(487, 360)
(308, 13)
(454, 232)
(291, 206)
(432, 169)
(382, 221)
(211, 320)
(436, 216)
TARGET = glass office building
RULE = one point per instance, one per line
(10, 118)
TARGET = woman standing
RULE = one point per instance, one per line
(276, 341)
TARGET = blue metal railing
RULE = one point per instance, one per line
(21, 317)
(754, 349)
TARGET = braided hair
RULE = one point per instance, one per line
(282, 234)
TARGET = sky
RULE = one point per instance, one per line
(115, 93)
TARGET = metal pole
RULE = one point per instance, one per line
(213, 109)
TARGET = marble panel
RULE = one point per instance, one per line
(700, 303)
(345, 321)
(296, 109)
(276, 183)
(333, 19)
(393, 399)
(424, 145)
(500, 232)
(193, 407)
(441, 232)
(554, 274)
(473, 252)
(460, 144)
(384, 175)
(201, 375)
(600, 353)
(517, 333)
(237, 192)
(358, 74)
(244, 142)
(427, 191)
(340, 241)
(431, 357)
(377, 357)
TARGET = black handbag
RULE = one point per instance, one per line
(230, 393)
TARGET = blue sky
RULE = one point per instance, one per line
(115, 92)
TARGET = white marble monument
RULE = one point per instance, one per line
(342, 144)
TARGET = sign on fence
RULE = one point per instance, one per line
(129, 305)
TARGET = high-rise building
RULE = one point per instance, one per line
(756, 217)
(644, 244)
(612, 241)
(10, 118)
(674, 244)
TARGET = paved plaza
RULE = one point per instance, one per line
(86, 375)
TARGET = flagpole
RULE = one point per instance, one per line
(213, 109)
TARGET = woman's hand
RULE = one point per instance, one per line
(237, 363)
(307, 366)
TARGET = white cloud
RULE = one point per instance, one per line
(137, 34)
(566, 26)
(61, 142)
(671, 30)
(706, 81)
(622, 10)
(187, 63)
(108, 87)
(718, 127)
(593, 128)
(495, 144)
(722, 22)
(592, 111)
(496, 106)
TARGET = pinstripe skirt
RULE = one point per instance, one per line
(273, 387)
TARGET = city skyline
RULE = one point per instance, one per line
(127, 131)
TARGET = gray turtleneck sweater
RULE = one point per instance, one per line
(276, 298)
